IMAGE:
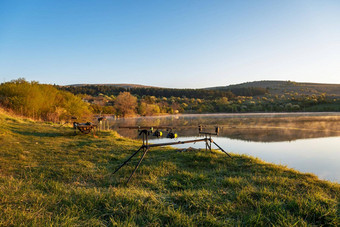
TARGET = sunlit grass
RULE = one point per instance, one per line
(49, 176)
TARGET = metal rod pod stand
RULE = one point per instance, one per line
(145, 148)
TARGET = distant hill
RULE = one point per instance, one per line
(141, 90)
(281, 87)
(271, 86)
(115, 85)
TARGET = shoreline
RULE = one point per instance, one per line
(231, 115)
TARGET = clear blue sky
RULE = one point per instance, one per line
(170, 43)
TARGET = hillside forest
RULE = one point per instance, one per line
(236, 99)
(57, 103)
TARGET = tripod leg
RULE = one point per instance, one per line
(222, 149)
(140, 160)
(127, 160)
(209, 144)
(206, 144)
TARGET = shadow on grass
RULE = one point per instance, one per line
(44, 134)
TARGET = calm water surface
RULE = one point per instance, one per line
(308, 142)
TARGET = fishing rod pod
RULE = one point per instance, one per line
(145, 131)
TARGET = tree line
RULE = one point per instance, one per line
(151, 105)
(208, 94)
(56, 103)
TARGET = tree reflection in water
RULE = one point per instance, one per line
(248, 127)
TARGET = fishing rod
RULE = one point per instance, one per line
(146, 131)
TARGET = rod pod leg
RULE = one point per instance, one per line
(127, 160)
(222, 149)
(209, 143)
(140, 160)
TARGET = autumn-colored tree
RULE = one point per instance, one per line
(125, 104)
(148, 109)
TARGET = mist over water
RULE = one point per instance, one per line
(308, 142)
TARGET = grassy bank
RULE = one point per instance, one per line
(49, 176)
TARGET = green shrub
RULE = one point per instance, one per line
(41, 101)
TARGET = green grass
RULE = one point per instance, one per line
(49, 176)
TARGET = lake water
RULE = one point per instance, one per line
(308, 142)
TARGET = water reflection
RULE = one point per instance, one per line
(319, 156)
(306, 142)
(261, 128)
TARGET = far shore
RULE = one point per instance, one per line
(255, 115)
